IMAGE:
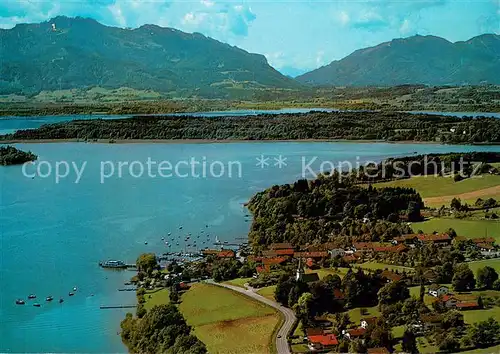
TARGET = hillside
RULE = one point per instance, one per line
(81, 52)
(417, 60)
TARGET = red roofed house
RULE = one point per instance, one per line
(390, 276)
(226, 254)
(350, 258)
(311, 264)
(468, 305)
(439, 239)
(354, 333)
(322, 341)
(364, 246)
(405, 239)
(274, 260)
(338, 294)
(313, 255)
(285, 252)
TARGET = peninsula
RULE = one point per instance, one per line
(360, 125)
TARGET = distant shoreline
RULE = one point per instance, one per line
(213, 141)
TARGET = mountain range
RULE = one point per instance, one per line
(67, 53)
(415, 60)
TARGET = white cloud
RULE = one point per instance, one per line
(405, 27)
(320, 61)
(194, 19)
(343, 18)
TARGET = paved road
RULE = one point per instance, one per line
(289, 316)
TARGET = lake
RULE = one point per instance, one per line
(54, 234)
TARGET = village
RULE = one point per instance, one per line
(312, 262)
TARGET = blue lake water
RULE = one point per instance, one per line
(53, 234)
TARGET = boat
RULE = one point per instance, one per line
(113, 264)
(49, 298)
(36, 304)
(31, 296)
(145, 242)
(71, 294)
(169, 234)
(74, 289)
(163, 238)
(180, 227)
(61, 300)
(20, 302)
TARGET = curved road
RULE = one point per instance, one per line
(288, 315)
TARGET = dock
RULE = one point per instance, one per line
(104, 307)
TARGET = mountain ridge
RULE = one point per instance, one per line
(81, 52)
(430, 60)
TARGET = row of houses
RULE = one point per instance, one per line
(321, 340)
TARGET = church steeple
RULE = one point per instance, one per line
(300, 271)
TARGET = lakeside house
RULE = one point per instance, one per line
(226, 254)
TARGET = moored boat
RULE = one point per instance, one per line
(20, 302)
(36, 304)
(31, 296)
(71, 294)
(49, 298)
(113, 264)
(61, 300)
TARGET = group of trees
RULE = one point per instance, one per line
(311, 211)
(331, 294)
(392, 126)
(9, 155)
(162, 329)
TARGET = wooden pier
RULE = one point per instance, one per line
(118, 307)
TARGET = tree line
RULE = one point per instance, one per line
(313, 211)
(384, 126)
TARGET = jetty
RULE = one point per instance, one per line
(105, 307)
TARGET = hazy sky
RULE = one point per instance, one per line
(295, 35)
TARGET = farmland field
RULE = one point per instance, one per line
(468, 228)
(228, 322)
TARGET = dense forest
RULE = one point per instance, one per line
(163, 329)
(383, 126)
(315, 211)
(9, 155)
